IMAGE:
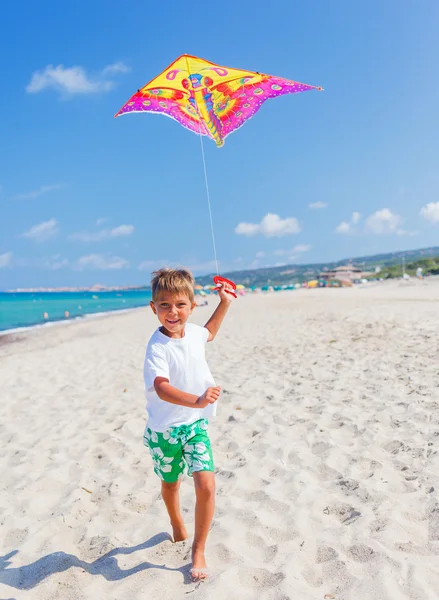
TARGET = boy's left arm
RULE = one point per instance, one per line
(214, 323)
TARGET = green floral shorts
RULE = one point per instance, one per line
(180, 449)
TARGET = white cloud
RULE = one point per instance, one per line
(302, 248)
(5, 260)
(384, 221)
(270, 226)
(430, 212)
(117, 67)
(101, 221)
(44, 189)
(103, 234)
(74, 80)
(100, 262)
(317, 205)
(260, 254)
(122, 230)
(247, 229)
(346, 226)
(43, 231)
(343, 227)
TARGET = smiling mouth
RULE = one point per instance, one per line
(172, 322)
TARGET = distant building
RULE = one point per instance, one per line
(343, 273)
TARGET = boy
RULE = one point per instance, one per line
(181, 395)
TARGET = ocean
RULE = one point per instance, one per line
(27, 309)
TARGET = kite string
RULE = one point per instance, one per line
(208, 200)
(205, 175)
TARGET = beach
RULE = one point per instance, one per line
(325, 447)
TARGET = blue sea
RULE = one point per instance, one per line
(27, 309)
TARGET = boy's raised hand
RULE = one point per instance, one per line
(210, 396)
(224, 290)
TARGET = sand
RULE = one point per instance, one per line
(325, 446)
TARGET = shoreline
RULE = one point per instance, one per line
(395, 283)
(65, 321)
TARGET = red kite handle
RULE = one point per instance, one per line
(218, 279)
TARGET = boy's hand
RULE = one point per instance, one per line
(223, 294)
(210, 396)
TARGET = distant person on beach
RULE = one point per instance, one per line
(181, 396)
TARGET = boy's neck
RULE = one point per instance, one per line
(176, 336)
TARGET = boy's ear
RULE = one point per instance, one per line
(152, 305)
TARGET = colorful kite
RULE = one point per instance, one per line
(208, 99)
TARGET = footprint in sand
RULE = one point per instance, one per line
(267, 553)
(394, 447)
(93, 548)
(378, 525)
(345, 513)
(15, 537)
(222, 554)
(433, 523)
(361, 553)
(347, 486)
(325, 554)
(321, 448)
(327, 473)
(259, 578)
(313, 577)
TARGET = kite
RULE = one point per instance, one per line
(210, 100)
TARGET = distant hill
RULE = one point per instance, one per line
(299, 273)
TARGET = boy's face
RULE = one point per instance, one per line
(173, 311)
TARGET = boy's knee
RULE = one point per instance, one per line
(170, 485)
(204, 483)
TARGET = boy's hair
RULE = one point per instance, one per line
(173, 280)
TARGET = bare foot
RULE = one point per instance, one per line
(179, 533)
(199, 567)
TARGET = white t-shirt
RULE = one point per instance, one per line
(183, 362)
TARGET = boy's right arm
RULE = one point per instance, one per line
(165, 391)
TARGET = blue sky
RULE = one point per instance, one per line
(87, 198)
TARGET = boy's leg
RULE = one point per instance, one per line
(171, 498)
(166, 452)
(204, 482)
(197, 452)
